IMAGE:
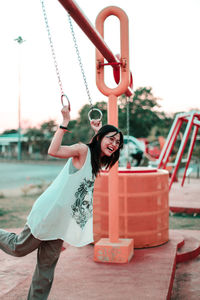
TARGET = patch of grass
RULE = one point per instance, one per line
(12, 221)
(15, 210)
(2, 195)
(33, 189)
(184, 221)
(3, 212)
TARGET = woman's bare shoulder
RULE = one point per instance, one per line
(79, 160)
(82, 148)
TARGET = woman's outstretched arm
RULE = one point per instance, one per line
(55, 148)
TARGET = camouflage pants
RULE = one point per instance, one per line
(47, 257)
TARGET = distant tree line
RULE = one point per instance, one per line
(143, 111)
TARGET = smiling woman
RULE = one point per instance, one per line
(105, 147)
(64, 212)
(110, 144)
(113, 140)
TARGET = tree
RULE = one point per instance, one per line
(161, 128)
(143, 113)
(10, 131)
(143, 117)
(145, 121)
(39, 138)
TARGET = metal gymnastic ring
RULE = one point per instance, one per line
(92, 109)
(62, 101)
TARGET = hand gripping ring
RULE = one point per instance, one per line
(99, 111)
(62, 101)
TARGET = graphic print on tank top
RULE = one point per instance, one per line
(82, 209)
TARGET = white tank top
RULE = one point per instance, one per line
(65, 210)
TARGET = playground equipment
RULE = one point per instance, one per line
(115, 249)
(192, 120)
(143, 206)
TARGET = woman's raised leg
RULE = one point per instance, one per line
(18, 244)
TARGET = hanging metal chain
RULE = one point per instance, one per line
(52, 49)
(63, 95)
(127, 117)
(83, 73)
(79, 60)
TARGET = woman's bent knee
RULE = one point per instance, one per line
(18, 245)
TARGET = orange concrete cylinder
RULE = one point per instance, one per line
(143, 206)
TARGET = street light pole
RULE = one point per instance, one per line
(20, 41)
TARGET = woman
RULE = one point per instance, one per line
(64, 211)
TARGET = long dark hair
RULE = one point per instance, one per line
(97, 160)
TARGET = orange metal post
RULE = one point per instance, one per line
(113, 178)
(113, 250)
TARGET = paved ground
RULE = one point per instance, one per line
(187, 277)
(186, 197)
(78, 277)
(148, 276)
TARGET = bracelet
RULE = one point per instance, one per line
(64, 128)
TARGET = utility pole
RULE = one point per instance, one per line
(20, 41)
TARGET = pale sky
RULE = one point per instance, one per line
(164, 54)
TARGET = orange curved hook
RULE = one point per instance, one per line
(124, 49)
